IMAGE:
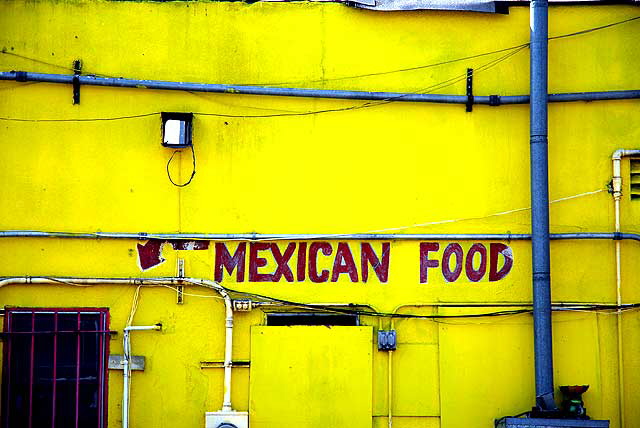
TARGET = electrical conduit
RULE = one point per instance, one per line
(540, 206)
(492, 100)
(126, 365)
(617, 195)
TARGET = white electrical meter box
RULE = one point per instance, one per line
(226, 420)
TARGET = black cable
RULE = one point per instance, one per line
(370, 104)
(328, 308)
(421, 67)
(193, 172)
(51, 64)
(400, 70)
(93, 119)
(434, 87)
(366, 105)
(590, 30)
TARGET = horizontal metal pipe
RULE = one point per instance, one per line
(494, 100)
(143, 327)
(312, 237)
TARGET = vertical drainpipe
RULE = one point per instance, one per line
(540, 206)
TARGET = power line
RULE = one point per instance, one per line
(511, 51)
(400, 70)
(436, 64)
(92, 119)
(437, 86)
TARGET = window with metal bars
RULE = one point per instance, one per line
(54, 369)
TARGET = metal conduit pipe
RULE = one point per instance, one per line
(126, 366)
(539, 162)
(617, 195)
(492, 100)
(314, 237)
(226, 402)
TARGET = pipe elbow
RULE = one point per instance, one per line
(620, 153)
(617, 155)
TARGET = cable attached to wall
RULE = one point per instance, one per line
(193, 172)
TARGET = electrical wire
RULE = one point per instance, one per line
(523, 308)
(193, 171)
(429, 89)
(328, 308)
(430, 223)
(454, 60)
(516, 49)
(370, 104)
(134, 306)
(93, 119)
(400, 70)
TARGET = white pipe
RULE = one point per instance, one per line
(156, 327)
(228, 346)
(126, 379)
(226, 401)
(390, 389)
(126, 365)
(617, 196)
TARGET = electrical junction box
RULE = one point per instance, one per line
(387, 340)
(226, 420)
(550, 423)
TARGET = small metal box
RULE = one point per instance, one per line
(387, 340)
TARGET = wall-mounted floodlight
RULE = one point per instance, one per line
(176, 129)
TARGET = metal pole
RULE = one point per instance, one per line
(540, 207)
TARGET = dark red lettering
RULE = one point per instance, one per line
(343, 263)
(256, 262)
(425, 263)
(494, 250)
(302, 261)
(282, 260)
(472, 274)
(368, 256)
(448, 274)
(224, 260)
(326, 249)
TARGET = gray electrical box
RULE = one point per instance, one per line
(387, 340)
(550, 423)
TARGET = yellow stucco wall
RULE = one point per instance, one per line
(394, 166)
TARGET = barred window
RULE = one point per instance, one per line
(54, 370)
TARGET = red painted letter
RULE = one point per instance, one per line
(302, 260)
(283, 262)
(224, 260)
(494, 250)
(256, 262)
(449, 275)
(344, 263)
(476, 275)
(425, 263)
(313, 261)
(367, 256)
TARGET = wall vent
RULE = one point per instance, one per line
(634, 178)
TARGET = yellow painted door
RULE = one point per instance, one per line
(311, 377)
